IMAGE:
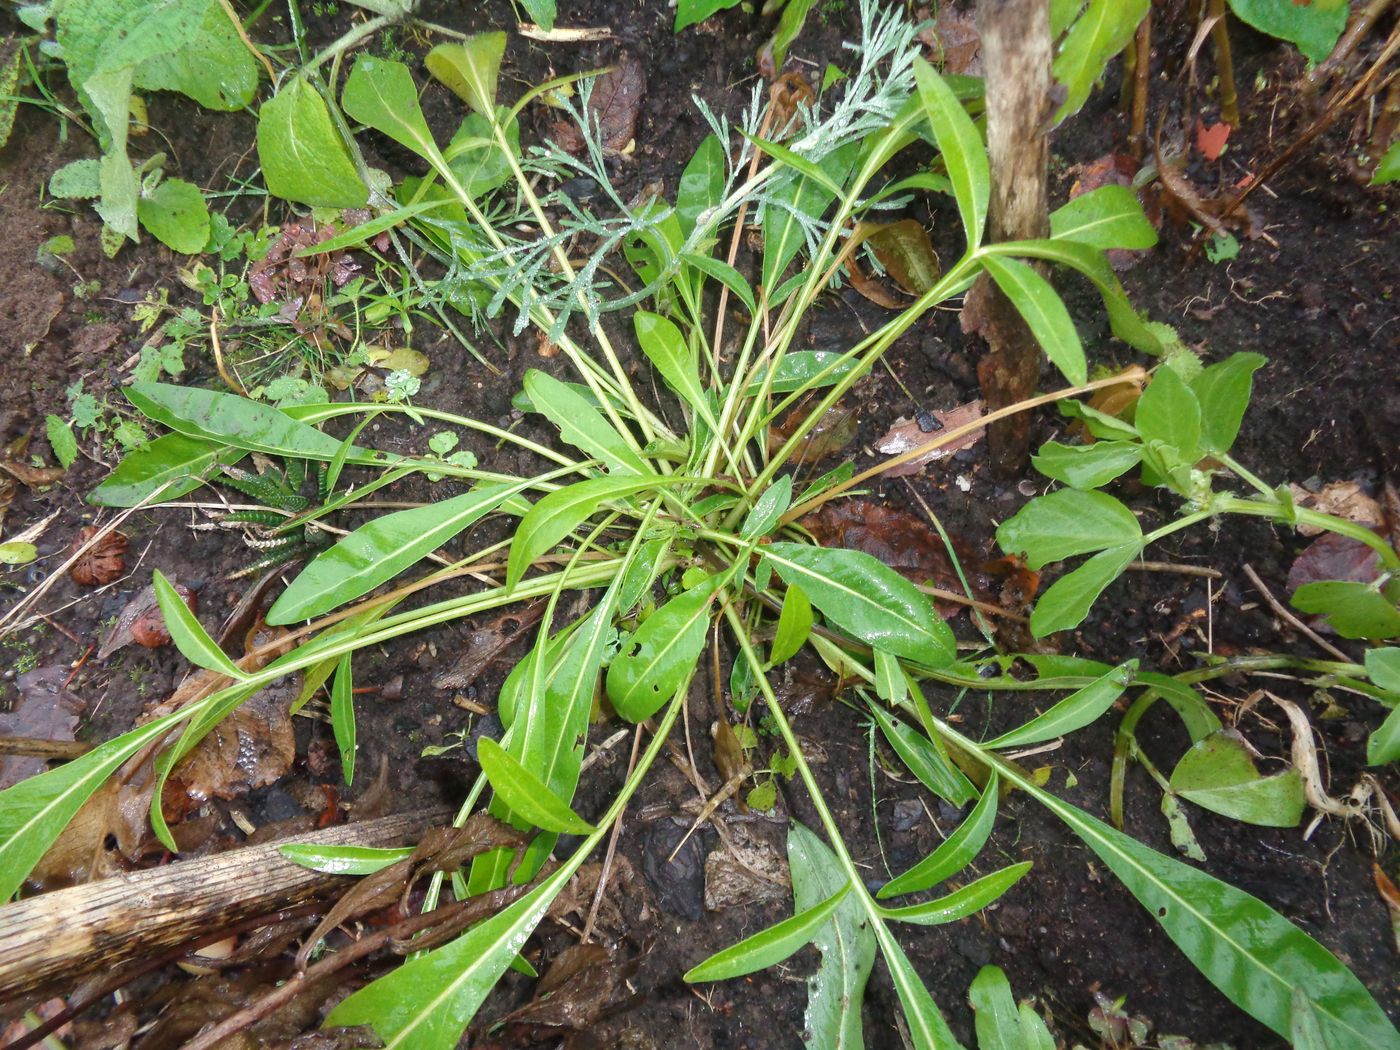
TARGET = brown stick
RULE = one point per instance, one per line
(62, 750)
(1016, 56)
(67, 933)
(1142, 78)
(1224, 65)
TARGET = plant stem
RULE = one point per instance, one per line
(1302, 516)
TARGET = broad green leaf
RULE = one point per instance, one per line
(212, 65)
(175, 214)
(1218, 774)
(1169, 412)
(961, 146)
(689, 12)
(1223, 390)
(1094, 39)
(1383, 667)
(343, 860)
(1073, 712)
(303, 157)
(1252, 954)
(343, 717)
(955, 852)
(470, 69)
(997, 1020)
(542, 11)
(34, 811)
(803, 369)
(582, 425)
(767, 509)
(1068, 600)
(1353, 610)
(1065, 523)
(1388, 167)
(559, 513)
(794, 202)
(76, 180)
(666, 348)
(380, 93)
(175, 460)
(1044, 313)
(525, 793)
(867, 599)
(794, 626)
(188, 633)
(846, 942)
(702, 182)
(1099, 424)
(660, 653)
(961, 903)
(1127, 324)
(476, 158)
(927, 1028)
(1087, 466)
(1314, 26)
(767, 947)
(1108, 217)
(924, 759)
(725, 275)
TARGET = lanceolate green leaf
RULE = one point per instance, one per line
(36, 810)
(767, 947)
(955, 852)
(927, 1028)
(1100, 33)
(661, 652)
(174, 460)
(189, 634)
(666, 348)
(792, 202)
(582, 425)
(702, 182)
(1251, 953)
(562, 511)
(381, 93)
(961, 147)
(961, 903)
(525, 793)
(470, 69)
(343, 717)
(343, 860)
(1068, 600)
(1073, 712)
(998, 1022)
(1223, 391)
(767, 509)
(302, 155)
(1108, 217)
(924, 759)
(381, 549)
(724, 274)
(1044, 313)
(794, 626)
(866, 598)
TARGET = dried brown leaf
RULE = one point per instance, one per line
(45, 710)
(613, 107)
(833, 432)
(486, 643)
(1344, 499)
(908, 434)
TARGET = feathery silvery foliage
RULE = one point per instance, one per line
(524, 268)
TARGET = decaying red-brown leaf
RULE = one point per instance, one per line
(612, 108)
(486, 643)
(251, 748)
(141, 622)
(1334, 557)
(583, 983)
(903, 541)
(908, 434)
(906, 253)
(1211, 139)
(102, 562)
(575, 901)
(45, 710)
(871, 287)
(786, 95)
(747, 870)
(833, 432)
(1119, 401)
(952, 42)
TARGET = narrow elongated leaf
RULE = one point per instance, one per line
(767, 947)
(724, 274)
(997, 1019)
(1044, 313)
(1073, 712)
(1108, 217)
(702, 183)
(927, 1028)
(1250, 952)
(666, 348)
(34, 811)
(794, 626)
(1065, 523)
(1100, 33)
(792, 205)
(803, 369)
(661, 652)
(174, 460)
(381, 549)
(470, 69)
(807, 168)
(1087, 466)
(343, 716)
(846, 942)
(1223, 390)
(866, 598)
(961, 903)
(562, 511)
(768, 508)
(961, 146)
(525, 793)
(923, 758)
(302, 155)
(581, 424)
(189, 634)
(955, 852)
(380, 93)
(1068, 600)
(343, 860)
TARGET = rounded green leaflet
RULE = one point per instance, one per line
(866, 599)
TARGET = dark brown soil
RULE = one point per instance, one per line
(1321, 306)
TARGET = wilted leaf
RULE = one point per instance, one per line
(910, 434)
(906, 253)
(1345, 499)
(833, 432)
(952, 43)
(1334, 557)
(746, 870)
(484, 644)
